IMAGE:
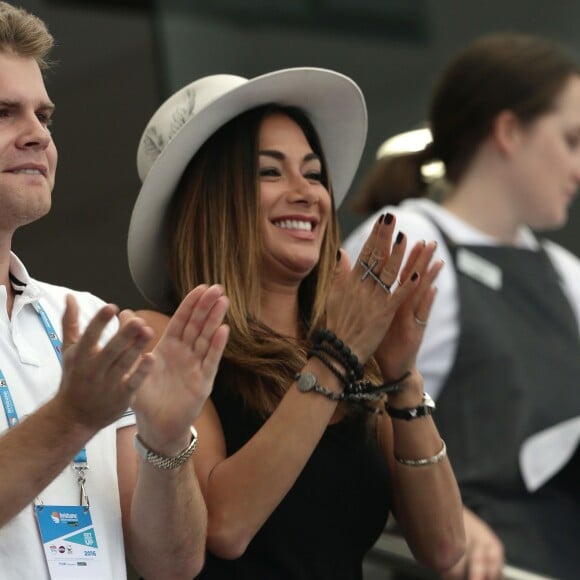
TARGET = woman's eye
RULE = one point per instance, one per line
(269, 172)
(314, 176)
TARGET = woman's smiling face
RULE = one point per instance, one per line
(294, 203)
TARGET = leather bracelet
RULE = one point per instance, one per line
(163, 461)
(437, 458)
(426, 407)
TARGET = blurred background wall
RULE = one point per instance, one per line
(118, 59)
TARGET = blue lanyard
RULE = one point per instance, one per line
(8, 403)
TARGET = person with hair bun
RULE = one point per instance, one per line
(501, 346)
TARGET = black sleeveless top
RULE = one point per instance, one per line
(329, 519)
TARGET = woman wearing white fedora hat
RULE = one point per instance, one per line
(301, 454)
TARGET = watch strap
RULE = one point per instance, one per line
(164, 461)
(426, 408)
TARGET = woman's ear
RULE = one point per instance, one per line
(506, 132)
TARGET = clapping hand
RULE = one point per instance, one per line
(97, 383)
(185, 362)
(397, 352)
(364, 301)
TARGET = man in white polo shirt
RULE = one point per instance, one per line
(80, 484)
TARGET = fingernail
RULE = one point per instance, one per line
(399, 238)
(388, 218)
(414, 276)
(381, 218)
(338, 256)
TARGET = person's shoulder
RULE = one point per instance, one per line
(416, 217)
(52, 298)
(55, 294)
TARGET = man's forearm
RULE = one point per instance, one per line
(33, 453)
(168, 522)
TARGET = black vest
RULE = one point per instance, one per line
(516, 373)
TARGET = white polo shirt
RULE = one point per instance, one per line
(33, 372)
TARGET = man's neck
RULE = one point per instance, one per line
(5, 248)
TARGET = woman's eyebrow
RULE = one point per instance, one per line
(280, 156)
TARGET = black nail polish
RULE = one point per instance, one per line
(399, 238)
(388, 218)
(381, 218)
(414, 276)
(338, 256)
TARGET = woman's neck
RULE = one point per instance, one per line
(279, 309)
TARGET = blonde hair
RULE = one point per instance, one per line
(24, 34)
(214, 237)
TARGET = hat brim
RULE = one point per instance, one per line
(334, 104)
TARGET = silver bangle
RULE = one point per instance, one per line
(437, 458)
(163, 461)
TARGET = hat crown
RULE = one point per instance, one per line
(176, 111)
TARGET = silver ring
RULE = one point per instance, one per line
(384, 286)
(420, 322)
(368, 269)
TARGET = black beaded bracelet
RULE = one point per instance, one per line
(366, 390)
(349, 377)
(328, 364)
(321, 335)
(392, 386)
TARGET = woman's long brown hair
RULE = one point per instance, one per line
(214, 237)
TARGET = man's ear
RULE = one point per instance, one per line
(506, 132)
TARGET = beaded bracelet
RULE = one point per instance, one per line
(366, 390)
(437, 458)
(328, 364)
(344, 354)
(336, 355)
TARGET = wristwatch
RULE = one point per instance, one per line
(426, 407)
(162, 461)
(308, 382)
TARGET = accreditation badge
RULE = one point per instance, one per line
(70, 542)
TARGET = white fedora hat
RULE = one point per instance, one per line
(182, 124)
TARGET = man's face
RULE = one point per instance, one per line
(28, 155)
